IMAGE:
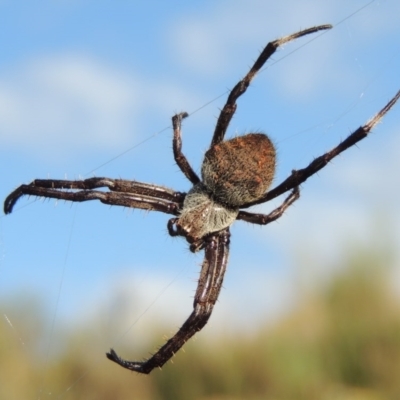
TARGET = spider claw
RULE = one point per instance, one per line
(136, 366)
(112, 355)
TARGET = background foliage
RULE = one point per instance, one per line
(342, 341)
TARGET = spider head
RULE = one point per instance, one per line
(201, 215)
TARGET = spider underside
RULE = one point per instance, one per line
(236, 175)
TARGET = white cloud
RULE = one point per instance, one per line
(66, 100)
(230, 34)
(145, 303)
(210, 42)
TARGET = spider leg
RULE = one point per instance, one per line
(230, 106)
(264, 219)
(122, 193)
(180, 159)
(209, 286)
(297, 177)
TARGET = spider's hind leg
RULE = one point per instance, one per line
(264, 219)
(297, 177)
(230, 106)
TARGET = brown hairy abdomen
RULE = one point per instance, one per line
(239, 170)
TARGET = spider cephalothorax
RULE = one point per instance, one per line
(236, 174)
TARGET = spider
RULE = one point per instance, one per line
(235, 175)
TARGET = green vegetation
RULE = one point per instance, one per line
(341, 342)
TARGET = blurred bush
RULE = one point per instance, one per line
(341, 342)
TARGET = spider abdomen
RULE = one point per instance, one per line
(239, 170)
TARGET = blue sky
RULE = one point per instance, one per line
(88, 88)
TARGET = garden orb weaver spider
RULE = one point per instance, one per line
(236, 175)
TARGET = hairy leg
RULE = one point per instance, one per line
(230, 106)
(122, 193)
(180, 159)
(208, 288)
(264, 219)
(299, 176)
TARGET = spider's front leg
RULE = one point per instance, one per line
(209, 286)
(122, 193)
